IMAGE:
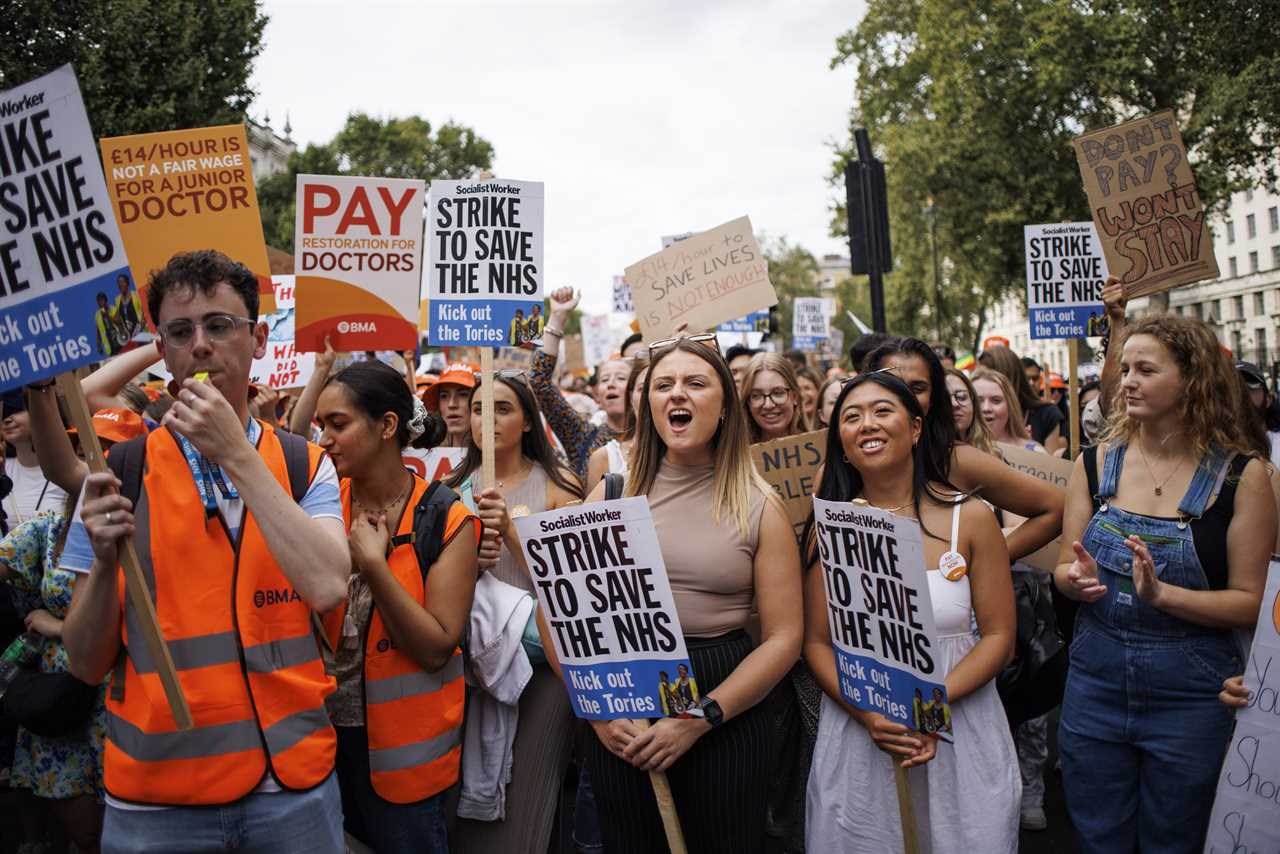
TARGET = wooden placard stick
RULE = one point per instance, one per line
(486, 418)
(134, 582)
(906, 810)
(666, 805)
(1073, 392)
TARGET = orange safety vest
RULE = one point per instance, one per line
(413, 718)
(242, 643)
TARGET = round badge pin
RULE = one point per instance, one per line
(953, 566)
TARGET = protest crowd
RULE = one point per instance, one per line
(408, 602)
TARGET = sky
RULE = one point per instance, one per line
(642, 118)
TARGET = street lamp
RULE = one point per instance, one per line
(932, 213)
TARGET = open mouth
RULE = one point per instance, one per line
(680, 418)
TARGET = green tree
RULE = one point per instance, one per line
(143, 65)
(973, 108)
(390, 148)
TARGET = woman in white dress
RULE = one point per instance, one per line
(966, 793)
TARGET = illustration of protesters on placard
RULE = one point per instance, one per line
(937, 716)
(917, 712)
(517, 336)
(1091, 329)
(678, 698)
(110, 336)
(128, 307)
(666, 695)
(686, 688)
(534, 325)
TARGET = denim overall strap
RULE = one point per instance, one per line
(1210, 473)
(1111, 469)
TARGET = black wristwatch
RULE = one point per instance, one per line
(711, 712)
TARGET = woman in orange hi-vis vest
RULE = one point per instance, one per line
(399, 704)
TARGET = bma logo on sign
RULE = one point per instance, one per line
(357, 326)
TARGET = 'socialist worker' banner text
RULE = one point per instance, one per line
(602, 586)
(484, 268)
(60, 252)
(182, 190)
(1065, 273)
(881, 616)
(357, 250)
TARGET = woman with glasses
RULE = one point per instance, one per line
(576, 433)
(727, 544)
(966, 793)
(529, 479)
(771, 398)
(972, 430)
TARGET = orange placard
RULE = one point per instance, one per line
(181, 190)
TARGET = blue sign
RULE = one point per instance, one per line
(756, 321)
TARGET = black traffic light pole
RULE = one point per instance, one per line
(868, 222)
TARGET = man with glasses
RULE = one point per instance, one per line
(240, 536)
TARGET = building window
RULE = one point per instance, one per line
(1260, 341)
(1260, 302)
(1198, 310)
(1231, 232)
(1273, 216)
(1248, 195)
(1251, 226)
(1231, 265)
(1253, 262)
(1215, 311)
(1275, 256)
(1237, 344)
(1177, 309)
(1239, 301)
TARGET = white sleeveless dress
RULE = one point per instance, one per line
(966, 798)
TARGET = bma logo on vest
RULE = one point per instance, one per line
(345, 326)
(283, 596)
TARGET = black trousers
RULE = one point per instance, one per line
(720, 786)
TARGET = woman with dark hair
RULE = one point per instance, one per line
(396, 641)
(529, 480)
(1044, 419)
(1040, 503)
(966, 793)
(1169, 529)
(728, 547)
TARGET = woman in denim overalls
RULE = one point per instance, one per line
(1164, 580)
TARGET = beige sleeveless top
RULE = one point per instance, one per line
(710, 565)
(532, 494)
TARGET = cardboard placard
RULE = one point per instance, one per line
(597, 340)
(789, 465)
(622, 303)
(809, 323)
(1050, 469)
(282, 366)
(880, 615)
(1065, 272)
(358, 247)
(61, 254)
(1143, 197)
(513, 359)
(704, 280)
(183, 190)
(602, 586)
(1246, 810)
(485, 263)
(574, 360)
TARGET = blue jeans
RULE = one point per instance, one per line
(387, 828)
(307, 822)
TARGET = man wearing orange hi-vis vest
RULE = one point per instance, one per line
(239, 532)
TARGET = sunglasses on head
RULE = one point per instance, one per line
(706, 338)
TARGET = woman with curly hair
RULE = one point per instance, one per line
(1166, 538)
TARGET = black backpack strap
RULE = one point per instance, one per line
(613, 484)
(1090, 454)
(127, 461)
(297, 461)
(429, 517)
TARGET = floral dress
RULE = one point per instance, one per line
(65, 766)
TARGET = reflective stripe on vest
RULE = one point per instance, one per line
(252, 673)
(413, 719)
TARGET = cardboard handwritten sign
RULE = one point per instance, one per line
(1143, 197)
(513, 359)
(1050, 469)
(880, 615)
(484, 263)
(60, 252)
(182, 190)
(282, 366)
(809, 323)
(1065, 272)
(358, 253)
(602, 586)
(1246, 810)
(705, 279)
(790, 464)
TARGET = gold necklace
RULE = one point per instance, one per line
(381, 510)
(1159, 487)
(893, 509)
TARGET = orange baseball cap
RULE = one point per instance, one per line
(1056, 381)
(459, 373)
(118, 425)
